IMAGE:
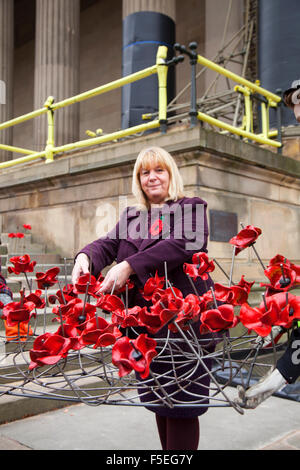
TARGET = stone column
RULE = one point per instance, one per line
(57, 67)
(6, 71)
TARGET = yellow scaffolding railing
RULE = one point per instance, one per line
(246, 88)
(160, 68)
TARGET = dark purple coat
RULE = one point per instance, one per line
(148, 255)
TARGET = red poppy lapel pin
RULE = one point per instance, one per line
(157, 226)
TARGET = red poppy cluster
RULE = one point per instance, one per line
(16, 235)
(81, 325)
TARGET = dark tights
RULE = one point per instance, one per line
(178, 433)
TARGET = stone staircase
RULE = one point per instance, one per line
(16, 407)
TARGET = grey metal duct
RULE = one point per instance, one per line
(143, 33)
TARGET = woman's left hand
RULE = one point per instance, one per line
(116, 276)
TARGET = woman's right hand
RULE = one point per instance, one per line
(81, 266)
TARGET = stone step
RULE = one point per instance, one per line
(14, 405)
(3, 249)
(44, 267)
(24, 245)
(40, 258)
(32, 278)
(6, 240)
(14, 285)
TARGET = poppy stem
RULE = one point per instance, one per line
(138, 355)
(22, 296)
(166, 273)
(258, 257)
(265, 302)
(232, 264)
(126, 299)
(113, 287)
(171, 287)
(214, 297)
(254, 249)
(45, 308)
(28, 284)
(61, 321)
(82, 317)
(126, 305)
(224, 272)
(62, 293)
(65, 267)
(193, 286)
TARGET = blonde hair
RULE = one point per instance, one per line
(148, 158)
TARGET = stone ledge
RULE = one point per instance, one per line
(177, 140)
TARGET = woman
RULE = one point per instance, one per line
(163, 231)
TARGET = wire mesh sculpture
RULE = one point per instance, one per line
(99, 351)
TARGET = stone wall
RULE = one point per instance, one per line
(78, 197)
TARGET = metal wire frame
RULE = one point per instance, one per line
(88, 376)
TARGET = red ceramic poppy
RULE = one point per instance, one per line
(22, 264)
(110, 303)
(191, 270)
(87, 281)
(12, 235)
(223, 293)
(170, 293)
(126, 318)
(36, 298)
(135, 355)
(151, 320)
(151, 285)
(289, 314)
(75, 312)
(245, 238)
(47, 279)
(282, 277)
(99, 332)
(200, 267)
(204, 264)
(16, 312)
(240, 295)
(19, 235)
(73, 333)
(218, 319)
(245, 284)
(128, 284)
(65, 296)
(48, 349)
(287, 306)
(167, 307)
(258, 320)
(27, 226)
(189, 313)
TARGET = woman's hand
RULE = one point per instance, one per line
(81, 266)
(116, 276)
